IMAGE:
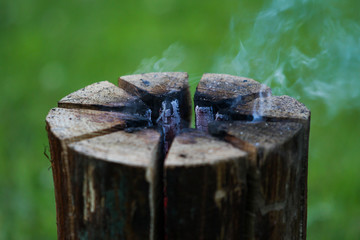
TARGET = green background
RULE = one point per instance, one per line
(307, 49)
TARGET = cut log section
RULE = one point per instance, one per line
(275, 178)
(280, 109)
(107, 97)
(114, 182)
(206, 182)
(242, 174)
(69, 125)
(272, 108)
(217, 92)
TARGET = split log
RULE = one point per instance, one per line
(271, 108)
(276, 183)
(281, 109)
(247, 181)
(65, 126)
(105, 96)
(216, 92)
(206, 182)
(88, 122)
(114, 182)
(260, 106)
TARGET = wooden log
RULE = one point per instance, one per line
(247, 181)
(216, 92)
(65, 126)
(206, 182)
(255, 103)
(78, 119)
(114, 182)
(280, 109)
(275, 177)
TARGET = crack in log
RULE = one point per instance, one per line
(162, 101)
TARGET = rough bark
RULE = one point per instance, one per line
(281, 109)
(69, 125)
(114, 182)
(275, 178)
(206, 182)
(241, 175)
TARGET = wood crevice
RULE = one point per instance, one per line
(192, 180)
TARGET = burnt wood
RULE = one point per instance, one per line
(126, 165)
(107, 97)
(218, 92)
(155, 88)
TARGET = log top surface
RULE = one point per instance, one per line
(259, 134)
(101, 93)
(135, 149)
(157, 83)
(71, 123)
(224, 86)
(193, 148)
(281, 107)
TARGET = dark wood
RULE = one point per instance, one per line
(165, 92)
(155, 88)
(272, 108)
(126, 166)
(280, 109)
(66, 126)
(114, 183)
(275, 177)
(216, 92)
(206, 182)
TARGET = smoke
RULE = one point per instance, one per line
(307, 49)
(299, 48)
(170, 60)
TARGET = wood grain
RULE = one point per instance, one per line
(273, 108)
(114, 186)
(69, 125)
(125, 166)
(217, 94)
(276, 179)
(206, 182)
(107, 97)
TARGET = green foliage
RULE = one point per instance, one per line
(307, 49)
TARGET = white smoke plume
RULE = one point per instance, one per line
(307, 49)
(299, 48)
(170, 60)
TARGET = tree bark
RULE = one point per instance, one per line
(249, 118)
(206, 182)
(126, 165)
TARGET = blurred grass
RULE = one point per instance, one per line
(51, 48)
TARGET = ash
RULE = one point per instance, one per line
(169, 120)
(204, 115)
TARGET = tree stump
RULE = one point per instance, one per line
(126, 165)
